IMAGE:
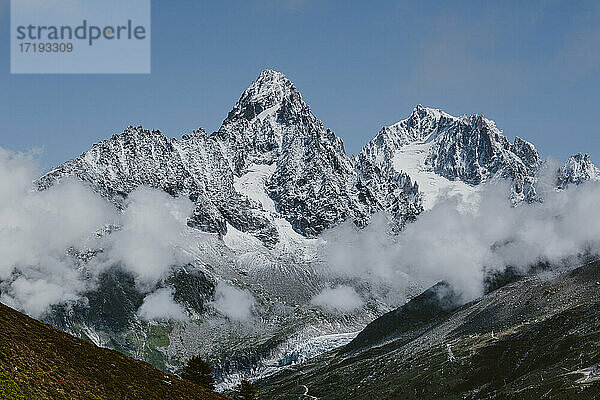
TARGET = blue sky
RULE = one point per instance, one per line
(533, 67)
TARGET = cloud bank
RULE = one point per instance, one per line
(35, 230)
(151, 235)
(459, 246)
(40, 232)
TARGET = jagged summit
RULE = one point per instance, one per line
(469, 149)
(267, 118)
(192, 167)
(577, 169)
(314, 183)
(269, 90)
(431, 144)
(421, 125)
(134, 131)
(269, 73)
(307, 178)
(473, 150)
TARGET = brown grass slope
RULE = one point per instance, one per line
(40, 362)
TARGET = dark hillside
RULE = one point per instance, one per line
(537, 338)
(40, 362)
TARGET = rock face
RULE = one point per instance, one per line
(474, 150)
(193, 167)
(495, 347)
(411, 319)
(315, 185)
(468, 149)
(576, 170)
(266, 118)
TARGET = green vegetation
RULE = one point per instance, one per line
(9, 388)
(158, 336)
(247, 391)
(200, 372)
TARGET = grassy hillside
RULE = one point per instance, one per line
(538, 338)
(40, 362)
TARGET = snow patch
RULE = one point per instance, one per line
(238, 240)
(252, 184)
(269, 111)
(296, 352)
(411, 160)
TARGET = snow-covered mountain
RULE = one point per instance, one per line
(272, 172)
(576, 170)
(265, 185)
(193, 167)
(304, 169)
(446, 154)
(314, 183)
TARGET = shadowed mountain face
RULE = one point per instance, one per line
(40, 362)
(410, 319)
(532, 339)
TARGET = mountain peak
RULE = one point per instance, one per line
(577, 169)
(470, 149)
(420, 110)
(271, 74)
(269, 115)
(265, 96)
(422, 115)
(270, 82)
(418, 127)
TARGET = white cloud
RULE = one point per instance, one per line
(450, 243)
(152, 234)
(35, 230)
(160, 305)
(34, 295)
(236, 304)
(339, 299)
(445, 243)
